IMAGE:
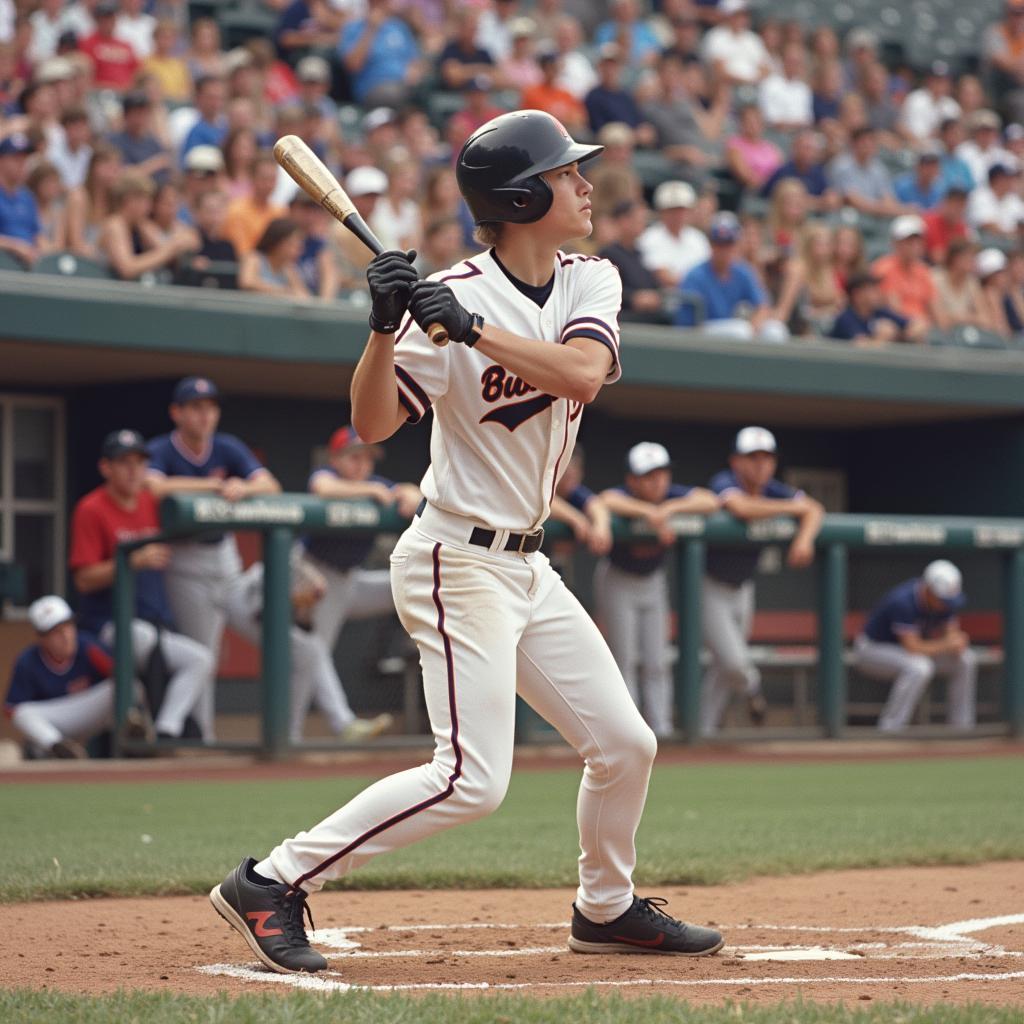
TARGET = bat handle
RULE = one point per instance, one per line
(438, 335)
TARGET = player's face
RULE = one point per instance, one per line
(569, 216)
(125, 475)
(652, 487)
(755, 469)
(60, 643)
(197, 419)
(354, 465)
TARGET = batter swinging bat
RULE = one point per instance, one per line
(307, 170)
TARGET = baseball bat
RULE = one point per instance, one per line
(308, 171)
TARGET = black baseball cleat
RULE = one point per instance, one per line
(644, 928)
(269, 918)
(757, 708)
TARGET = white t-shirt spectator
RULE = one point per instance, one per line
(923, 113)
(786, 101)
(984, 207)
(676, 254)
(72, 167)
(980, 160)
(45, 34)
(7, 13)
(78, 19)
(392, 226)
(743, 53)
(137, 33)
(578, 75)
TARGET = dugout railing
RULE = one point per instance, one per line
(281, 518)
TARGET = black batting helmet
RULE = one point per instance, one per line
(499, 169)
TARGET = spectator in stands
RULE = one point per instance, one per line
(47, 23)
(922, 188)
(306, 25)
(641, 295)
(862, 179)
(1003, 53)
(554, 99)
(314, 77)
(827, 92)
(396, 217)
(520, 70)
(810, 295)
(204, 171)
(129, 239)
(479, 109)
(867, 322)
(19, 215)
(1013, 302)
(135, 27)
(578, 75)
(205, 58)
(749, 491)
(784, 96)
(990, 266)
(463, 58)
(927, 107)
(983, 149)
(315, 263)
(732, 50)
(805, 165)
(248, 217)
(734, 304)
(608, 102)
(45, 185)
(628, 29)
(686, 34)
(71, 152)
(90, 204)
(861, 53)
(881, 110)
(752, 159)
(671, 247)
(381, 56)
(959, 293)
(136, 143)
(114, 63)
(443, 246)
(239, 151)
(850, 258)
(946, 224)
(911, 635)
(380, 133)
(365, 186)
(997, 208)
(170, 69)
(905, 280)
(955, 172)
(214, 251)
(970, 94)
(419, 136)
(164, 213)
(212, 126)
(442, 199)
(612, 174)
(787, 217)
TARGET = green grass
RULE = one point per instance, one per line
(703, 824)
(365, 1008)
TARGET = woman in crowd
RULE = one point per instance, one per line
(990, 266)
(848, 253)
(91, 203)
(164, 215)
(751, 158)
(396, 218)
(204, 56)
(787, 215)
(272, 267)
(959, 294)
(45, 184)
(239, 149)
(810, 296)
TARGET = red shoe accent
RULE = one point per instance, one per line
(641, 942)
(260, 929)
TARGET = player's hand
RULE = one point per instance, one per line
(658, 522)
(383, 495)
(407, 500)
(600, 542)
(580, 527)
(959, 641)
(233, 489)
(800, 554)
(432, 302)
(390, 276)
(151, 556)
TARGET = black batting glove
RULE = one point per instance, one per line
(432, 302)
(391, 276)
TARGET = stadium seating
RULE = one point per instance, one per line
(70, 265)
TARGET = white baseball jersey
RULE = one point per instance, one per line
(498, 446)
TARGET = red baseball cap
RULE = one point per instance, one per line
(345, 439)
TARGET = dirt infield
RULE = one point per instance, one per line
(925, 935)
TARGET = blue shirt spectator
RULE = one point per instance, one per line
(864, 314)
(19, 214)
(643, 41)
(390, 53)
(212, 126)
(922, 187)
(721, 295)
(813, 178)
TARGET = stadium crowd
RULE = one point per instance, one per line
(763, 178)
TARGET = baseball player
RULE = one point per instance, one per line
(912, 635)
(351, 591)
(533, 339)
(580, 508)
(748, 489)
(121, 509)
(60, 692)
(631, 585)
(196, 458)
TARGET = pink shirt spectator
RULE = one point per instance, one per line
(762, 157)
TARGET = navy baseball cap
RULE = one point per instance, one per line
(16, 144)
(123, 442)
(191, 389)
(725, 228)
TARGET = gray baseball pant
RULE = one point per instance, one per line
(634, 611)
(910, 675)
(727, 616)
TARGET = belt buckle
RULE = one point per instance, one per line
(524, 537)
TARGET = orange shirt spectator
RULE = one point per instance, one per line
(946, 224)
(249, 216)
(904, 279)
(114, 62)
(551, 97)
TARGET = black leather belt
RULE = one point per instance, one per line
(523, 543)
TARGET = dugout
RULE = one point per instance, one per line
(916, 431)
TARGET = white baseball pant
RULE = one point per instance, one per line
(488, 623)
(727, 617)
(910, 675)
(634, 612)
(75, 716)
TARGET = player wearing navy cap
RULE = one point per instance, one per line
(196, 459)
(747, 489)
(631, 586)
(911, 636)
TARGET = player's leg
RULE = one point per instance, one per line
(961, 688)
(654, 654)
(330, 611)
(618, 611)
(373, 596)
(309, 660)
(723, 631)
(77, 716)
(568, 675)
(909, 673)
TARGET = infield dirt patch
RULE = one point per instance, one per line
(924, 935)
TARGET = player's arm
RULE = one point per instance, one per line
(260, 481)
(750, 506)
(100, 575)
(563, 512)
(161, 485)
(327, 486)
(626, 505)
(698, 501)
(916, 644)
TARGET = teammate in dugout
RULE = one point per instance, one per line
(196, 459)
(748, 490)
(121, 509)
(534, 338)
(912, 635)
(631, 585)
(585, 512)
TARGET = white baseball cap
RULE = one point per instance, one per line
(670, 195)
(646, 457)
(754, 439)
(49, 612)
(366, 181)
(727, 7)
(989, 262)
(943, 579)
(906, 227)
(204, 158)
